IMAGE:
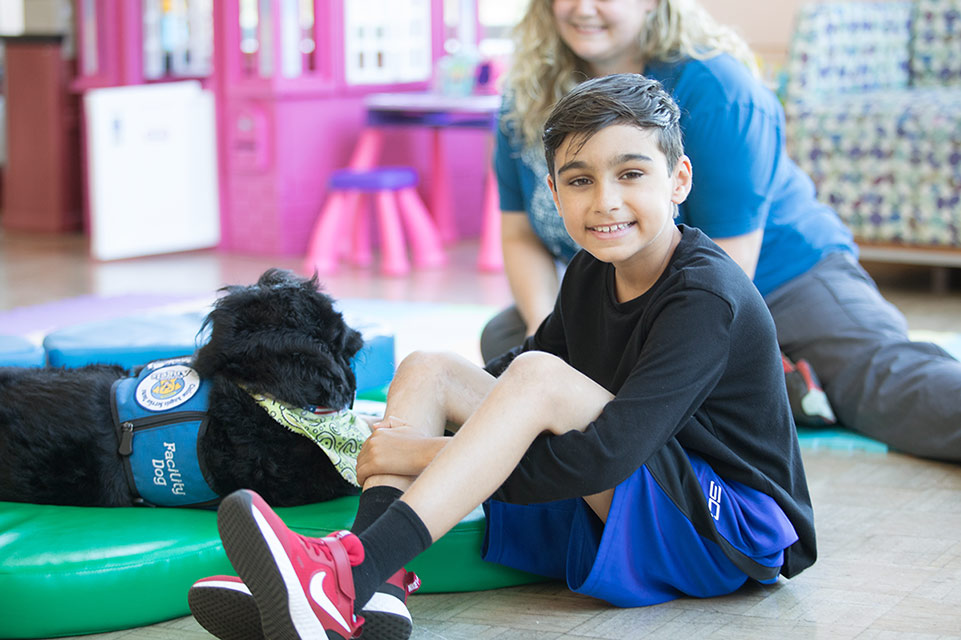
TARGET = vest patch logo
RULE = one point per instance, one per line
(167, 388)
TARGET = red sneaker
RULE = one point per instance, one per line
(224, 607)
(385, 615)
(303, 586)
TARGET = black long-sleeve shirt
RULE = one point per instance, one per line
(693, 362)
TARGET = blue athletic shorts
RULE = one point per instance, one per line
(662, 540)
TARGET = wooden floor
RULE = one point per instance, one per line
(889, 526)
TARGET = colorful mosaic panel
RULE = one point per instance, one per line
(889, 162)
(885, 155)
(936, 43)
(849, 47)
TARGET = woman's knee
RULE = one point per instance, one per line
(503, 332)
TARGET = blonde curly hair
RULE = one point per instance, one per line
(544, 68)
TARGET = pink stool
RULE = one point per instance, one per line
(395, 199)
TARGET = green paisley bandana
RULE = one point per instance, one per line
(339, 434)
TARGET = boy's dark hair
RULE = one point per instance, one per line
(623, 98)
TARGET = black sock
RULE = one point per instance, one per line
(396, 538)
(373, 503)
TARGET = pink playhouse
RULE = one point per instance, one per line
(304, 88)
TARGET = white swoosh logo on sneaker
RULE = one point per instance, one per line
(317, 594)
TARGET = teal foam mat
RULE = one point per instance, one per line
(839, 439)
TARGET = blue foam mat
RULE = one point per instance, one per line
(417, 326)
(19, 352)
(130, 341)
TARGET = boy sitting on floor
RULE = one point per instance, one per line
(640, 445)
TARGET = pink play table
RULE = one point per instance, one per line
(438, 112)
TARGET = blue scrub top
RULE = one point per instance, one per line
(733, 130)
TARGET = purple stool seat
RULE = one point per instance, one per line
(343, 228)
(391, 178)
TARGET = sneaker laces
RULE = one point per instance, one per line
(318, 547)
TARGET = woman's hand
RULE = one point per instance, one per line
(396, 448)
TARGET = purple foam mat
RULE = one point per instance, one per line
(43, 318)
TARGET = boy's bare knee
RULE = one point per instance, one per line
(436, 370)
(536, 369)
(422, 363)
(560, 394)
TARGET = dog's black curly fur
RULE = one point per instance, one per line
(280, 336)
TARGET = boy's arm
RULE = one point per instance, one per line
(683, 357)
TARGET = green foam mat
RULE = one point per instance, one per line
(78, 570)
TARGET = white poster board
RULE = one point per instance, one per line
(387, 41)
(152, 169)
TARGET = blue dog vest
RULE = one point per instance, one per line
(160, 416)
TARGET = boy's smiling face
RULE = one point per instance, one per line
(617, 196)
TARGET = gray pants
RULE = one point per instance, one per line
(906, 394)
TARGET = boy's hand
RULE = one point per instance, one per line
(396, 448)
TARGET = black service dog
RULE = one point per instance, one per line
(280, 336)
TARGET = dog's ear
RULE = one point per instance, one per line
(351, 342)
(282, 336)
